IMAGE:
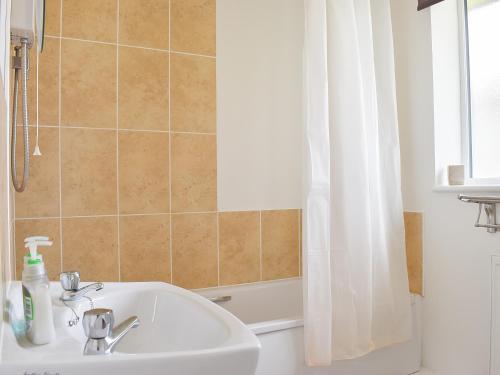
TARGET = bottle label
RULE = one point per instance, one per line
(29, 313)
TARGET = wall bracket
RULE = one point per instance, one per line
(489, 204)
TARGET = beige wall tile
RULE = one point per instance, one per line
(143, 172)
(280, 244)
(90, 19)
(88, 172)
(90, 246)
(414, 250)
(144, 248)
(193, 26)
(193, 94)
(143, 94)
(144, 23)
(51, 255)
(194, 247)
(52, 17)
(89, 157)
(194, 173)
(41, 197)
(88, 91)
(48, 84)
(239, 247)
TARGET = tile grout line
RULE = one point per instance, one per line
(142, 214)
(299, 235)
(194, 212)
(216, 158)
(105, 129)
(134, 46)
(260, 244)
(171, 255)
(12, 220)
(107, 43)
(117, 139)
(111, 215)
(60, 136)
(12, 232)
(193, 54)
(193, 133)
(216, 185)
(218, 248)
(121, 129)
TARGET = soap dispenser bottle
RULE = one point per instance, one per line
(36, 294)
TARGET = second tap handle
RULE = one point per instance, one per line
(98, 323)
(70, 280)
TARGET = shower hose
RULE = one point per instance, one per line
(24, 92)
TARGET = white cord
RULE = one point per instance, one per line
(37, 152)
(73, 321)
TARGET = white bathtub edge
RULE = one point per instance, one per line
(276, 325)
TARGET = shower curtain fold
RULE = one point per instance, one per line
(356, 295)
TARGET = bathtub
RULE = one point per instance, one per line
(273, 310)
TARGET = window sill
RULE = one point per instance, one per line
(466, 188)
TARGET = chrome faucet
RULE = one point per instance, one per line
(101, 336)
(70, 282)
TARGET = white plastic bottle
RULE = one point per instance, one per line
(36, 294)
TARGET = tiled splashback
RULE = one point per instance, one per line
(414, 250)
(127, 184)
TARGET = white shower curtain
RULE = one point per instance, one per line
(356, 296)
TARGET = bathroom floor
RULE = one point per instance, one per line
(424, 372)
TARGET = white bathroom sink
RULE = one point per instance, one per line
(180, 332)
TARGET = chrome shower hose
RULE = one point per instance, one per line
(24, 92)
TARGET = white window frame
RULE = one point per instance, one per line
(466, 124)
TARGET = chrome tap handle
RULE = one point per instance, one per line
(98, 323)
(70, 280)
(102, 337)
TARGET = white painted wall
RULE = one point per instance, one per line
(4, 38)
(446, 81)
(457, 271)
(259, 104)
(5, 207)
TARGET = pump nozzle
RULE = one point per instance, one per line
(32, 243)
(36, 238)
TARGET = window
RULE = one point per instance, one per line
(482, 77)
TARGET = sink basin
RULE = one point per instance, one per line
(180, 333)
